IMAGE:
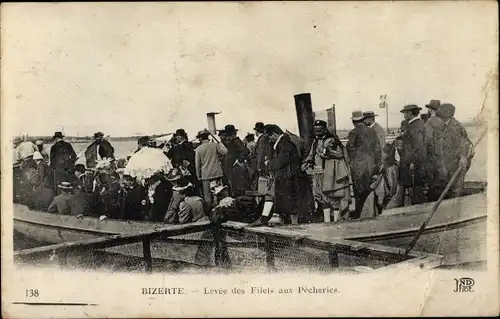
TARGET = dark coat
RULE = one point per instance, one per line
(414, 152)
(105, 150)
(131, 207)
(262, 149)
(363, 149)
(235, 150)
(158, 209)
(456, 144)
(183, 152)
(290, 197)
(62, 156)
(434, 129)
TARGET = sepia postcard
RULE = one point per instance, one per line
(249, 159)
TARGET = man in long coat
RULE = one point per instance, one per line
(262, 150)
(434, 128)
(99, 149)
(62, 160)
(285, 166)
(369, 119)
(412, 169)
(457, 148)
(182, 155)
(331, 182)
(235, 161)
(363, 149)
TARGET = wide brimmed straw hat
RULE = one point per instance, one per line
(357, 115)
(65, 185)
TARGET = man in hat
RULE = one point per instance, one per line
(100, 148)
(208, 164)
(242, 208)
(331, 178)
(62, 159)
(285, 167)
(182, 155)
(434, 127)
(363, 149)
(61, 204)
(42, 190)
(262, 150)
(369, 119)
(190, 208)
(235, 162)
(413, 164)
(41, 148)
(457, 148)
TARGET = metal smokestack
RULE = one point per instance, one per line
(305, 117)
(211, 122)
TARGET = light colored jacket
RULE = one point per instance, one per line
(207, 159)
(26, 149)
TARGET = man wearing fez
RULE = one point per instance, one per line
(457, 148)
(369, 119)
(434, 127)
(412, 169)
(363, 149)
(331, 182)
(99, 149)
(262, 152)
(62, 160)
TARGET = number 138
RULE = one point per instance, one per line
(31, 293)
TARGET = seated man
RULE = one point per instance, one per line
(191, 207)
(61, 204)
(242, 208)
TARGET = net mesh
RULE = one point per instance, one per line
(236, 250)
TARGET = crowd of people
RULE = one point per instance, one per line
(269, 172)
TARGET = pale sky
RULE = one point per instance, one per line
(126, 68)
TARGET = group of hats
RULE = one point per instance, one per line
(359, 115)
(445, 110)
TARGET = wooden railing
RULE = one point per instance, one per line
(269, 235)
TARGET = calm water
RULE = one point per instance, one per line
(477, 171)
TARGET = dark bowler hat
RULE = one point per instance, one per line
(410, 107)
(58, 135)
(357, 115)
(180, 132)
(98, 134)
(369, 114)
(446, 111)
(259, 126)
(230, 129)
(320, 123)
(433, 104)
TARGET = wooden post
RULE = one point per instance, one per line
(146, 249)
(62, 258)
(333, 258)
(269, 254)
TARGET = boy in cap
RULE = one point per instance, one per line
(61, 204)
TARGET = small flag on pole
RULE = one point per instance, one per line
(383, 101)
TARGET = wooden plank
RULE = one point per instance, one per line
(146, 248)
(115, 240)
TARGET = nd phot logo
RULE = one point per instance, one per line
(464, 285)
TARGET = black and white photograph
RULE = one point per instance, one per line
(218, 159)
